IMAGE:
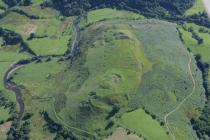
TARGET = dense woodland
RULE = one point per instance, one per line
(12, 3)
(154, 7)
(202, 124)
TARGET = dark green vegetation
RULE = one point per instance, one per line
(11, 3)
(128, 72)
(152, 7)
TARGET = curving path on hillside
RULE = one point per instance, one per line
(182, 102)
(8, 84)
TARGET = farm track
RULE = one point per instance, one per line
(182, 102)
(8, 84)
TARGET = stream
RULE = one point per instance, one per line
(12, 86)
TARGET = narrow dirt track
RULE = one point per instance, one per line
(182, 102)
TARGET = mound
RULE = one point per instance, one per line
(123, 65)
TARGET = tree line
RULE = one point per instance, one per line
(12, 38)
(202, 124)
(156, 7)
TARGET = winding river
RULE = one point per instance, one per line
(12, 86)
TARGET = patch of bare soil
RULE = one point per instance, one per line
(29, 28)
(4, 128)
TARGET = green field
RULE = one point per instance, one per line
(38, 92)
(55, 34)
(127, 65)
(143, 124)
(197, 7)
(192, 44)
(94, 84)
(4, 114)
(107, 13)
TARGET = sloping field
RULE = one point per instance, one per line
(143, 124)
(51, 35)
(123, 65)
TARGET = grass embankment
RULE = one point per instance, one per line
(107, 14)
(192, 44)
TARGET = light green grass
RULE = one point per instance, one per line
(143, 124)
(47, 46)
(120, 76)
(58, 32)
(202, 49)
(107, 13)
(13, 21)
(37, 2)
(122, 61)
(4, 114)
(37, 76)
(197, 7)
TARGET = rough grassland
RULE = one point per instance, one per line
(107, 13)
(4, 114)
(121, 63)
(143, 124)
(36, 80)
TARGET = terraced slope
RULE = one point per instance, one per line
(123, 66)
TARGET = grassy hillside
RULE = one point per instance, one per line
(51, 35)
(124, 65)
(143, 124)
(129, 73)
